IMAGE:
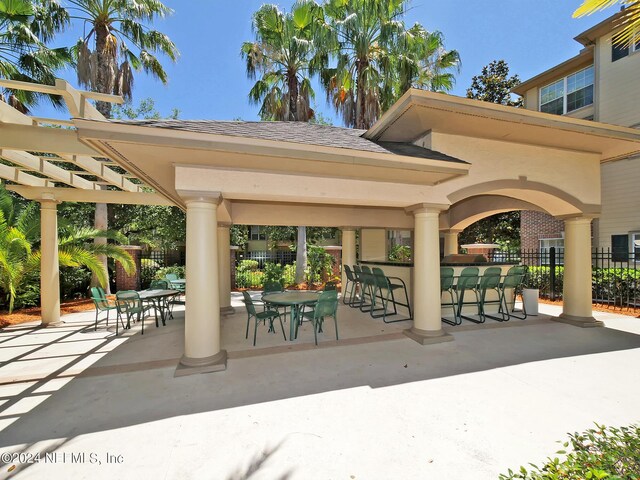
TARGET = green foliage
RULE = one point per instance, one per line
(239, 235)
(289, 274)
(148, 269)
(248, 275)
(540, 278)
(145, 109)
(400, 253)
(28, 294)
(319, 264)
(502, 228)
(273, 272)
(154, 226)
(494, 85)
(600, 453)
(74, 282)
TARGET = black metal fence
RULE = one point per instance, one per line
(283, 257)
(153, 260)
(615, 278)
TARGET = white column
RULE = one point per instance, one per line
(224, 268)
(49, 263)
(576, 299)
(427, 326)
(202, 351)
(451, 242)
(348, 251)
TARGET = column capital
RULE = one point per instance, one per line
(195, 196)
(48, 200)
(451, 231)
(427, 208)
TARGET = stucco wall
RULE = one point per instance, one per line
(620, 199)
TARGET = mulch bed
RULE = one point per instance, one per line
(33, 314)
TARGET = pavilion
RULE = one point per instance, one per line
(433, 163)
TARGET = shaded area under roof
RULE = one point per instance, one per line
(296, 132)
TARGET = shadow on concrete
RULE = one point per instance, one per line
(105, 402)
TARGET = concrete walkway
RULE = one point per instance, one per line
(375, 405)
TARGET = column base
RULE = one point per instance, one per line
(57, 323)
(584, 322)
(227, 310)
(192, 366)
(427, 337)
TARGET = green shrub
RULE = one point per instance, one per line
(148, 269)
(273, 272)
(247, 265)
(179, 270)
(319, 264)
(540, 278)
(289, 274)
(603, 452)
(74, 282)
(28, 295)
(400, 253)
(249, 278)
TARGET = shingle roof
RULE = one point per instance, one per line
(296, 132)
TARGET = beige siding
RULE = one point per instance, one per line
(620, 199)
(531, 99)
(619, 86)
(373, 244)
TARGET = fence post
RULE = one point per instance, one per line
(552, 272)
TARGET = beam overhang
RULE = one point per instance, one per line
(91, 196)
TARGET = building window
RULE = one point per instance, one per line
(621, 51)
(568, 94)
(634, 245)
(257, 233)
(619, 248)
(545, 250)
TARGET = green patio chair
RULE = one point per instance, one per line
(271, 287)
(490, 281)
(129, 305)
(446, 286)
(102, 303)
(512, 281)
(172, 277)
(467, 281)
(266, 315)
(326, 306)
(384, 288)
(368, 289)
(350, 289)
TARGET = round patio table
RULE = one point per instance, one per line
(294, 299)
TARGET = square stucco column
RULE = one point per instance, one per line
(202, 352)
(348, 251)
(224, 269)
(576, 298)
(427, 323)
(49, 263)
(451, 242)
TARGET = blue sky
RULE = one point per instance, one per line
(209, 81)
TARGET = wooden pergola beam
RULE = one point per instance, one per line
(17, 175)
(91, 196)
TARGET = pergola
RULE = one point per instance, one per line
(433, 163)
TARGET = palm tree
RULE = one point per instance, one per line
(122, 42)
(378, 58)
(419, 60)
(361, 35)
(20, 254)
(629, 20)
(283, 56)
(24, 30)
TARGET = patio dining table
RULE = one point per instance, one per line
(157, 299)
(294, 299)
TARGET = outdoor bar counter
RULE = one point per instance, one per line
(404, 270)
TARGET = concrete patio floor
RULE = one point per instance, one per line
(374, 405)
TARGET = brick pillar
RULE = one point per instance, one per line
(125, 281)
(336, 253)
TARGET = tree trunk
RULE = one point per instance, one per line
(301, 254)
(293, 98)
(105, 79)
(360, 96)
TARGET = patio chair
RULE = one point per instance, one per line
(326, 306)
(446, 286)
(271, 287)
(367, 282)
(490, 281)
(351, 287)
(129, 305)
(383, 290)
(467, 281)
(172, 277)
(266, 315)
(512, 281)
(102, 303)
